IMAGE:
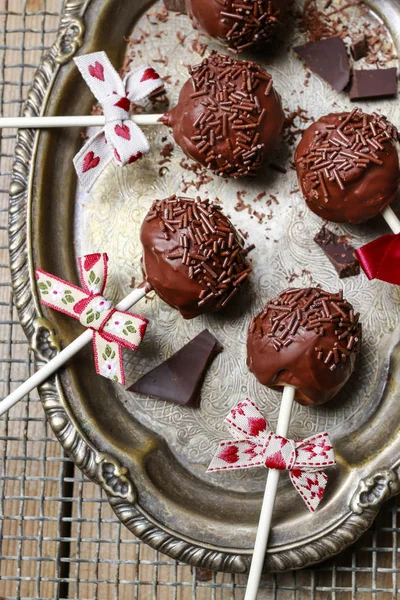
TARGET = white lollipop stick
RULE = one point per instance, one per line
(61, 358)
(264, 525)
(391, 219)
(86, 121)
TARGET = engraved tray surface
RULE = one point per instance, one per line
(151, 456)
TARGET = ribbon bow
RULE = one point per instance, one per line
(255, 445)
(120, 138)
(112, 329)
(380, 259)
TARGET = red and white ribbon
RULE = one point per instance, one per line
(255, 445)
(112, 329)
(120, 139)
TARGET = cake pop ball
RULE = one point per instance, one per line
(229, 116)
(306, 338)
(240, 24)
(192, 255)
(348, 167)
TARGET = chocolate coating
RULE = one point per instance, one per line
(348, 167)
(192, 255)
(305, 338)
(238, 24)
(229, 117)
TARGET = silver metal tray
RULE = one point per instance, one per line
(151, 457)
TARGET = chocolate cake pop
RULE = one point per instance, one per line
(348, 166)
(192, 255)
(229, 117)
(240, 25)
(306, 338)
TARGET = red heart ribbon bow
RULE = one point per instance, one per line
(255, 445)
(380, 259)
(112, 329)
(120, 139)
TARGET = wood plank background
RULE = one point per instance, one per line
(58, 536)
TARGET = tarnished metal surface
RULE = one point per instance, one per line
(151, 457)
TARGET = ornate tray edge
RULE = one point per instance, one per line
(104, 469)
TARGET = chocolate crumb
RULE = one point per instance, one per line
(167, 150)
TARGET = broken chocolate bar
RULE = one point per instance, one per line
(359, 48)
(373, 83)
(328, 59)
(339, 251)
(180, 377)
(175, 5)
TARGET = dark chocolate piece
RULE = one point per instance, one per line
(373, 83)
(359, 48)
(307, 338)
(348, 167)
(339, 251)
(176, 5)
(328, 58)
(229, 117)
(180, 377)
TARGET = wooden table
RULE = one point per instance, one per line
(59, 537)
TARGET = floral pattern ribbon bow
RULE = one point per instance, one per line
(112, 329)
(120, 139)
(255, 445)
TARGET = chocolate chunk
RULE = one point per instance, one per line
(373, 83)
(359, 48)
(175, 5)
(180, 377)
(328, 59)
(339, 251)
